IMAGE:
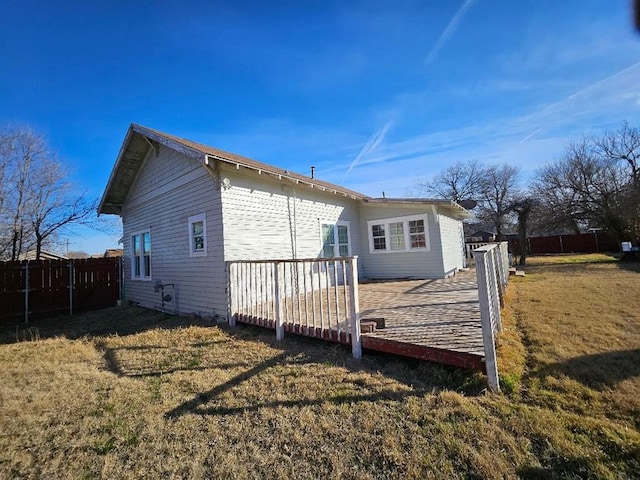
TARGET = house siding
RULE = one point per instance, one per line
(414, 264)
(265, 218)
(452, 240)
(169, 189)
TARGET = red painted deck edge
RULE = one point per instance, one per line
(312, 332)
(431, 354)
(421, 352)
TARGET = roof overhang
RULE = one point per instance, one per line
(138, 143)
(448, 207)
(141, 141)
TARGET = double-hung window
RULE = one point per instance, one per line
(141, 255)
(401, 234)
(335, 239)
(417, 234)
(198, 235)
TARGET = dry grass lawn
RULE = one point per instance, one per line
(168, 398)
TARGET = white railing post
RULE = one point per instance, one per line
(233, 292)
(354, 308)
(484, 292)
(278, 310)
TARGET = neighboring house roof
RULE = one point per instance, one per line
(113, 252)
(44, 255)
(139, 139)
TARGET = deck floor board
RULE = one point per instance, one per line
(443, 313)
(435, 320)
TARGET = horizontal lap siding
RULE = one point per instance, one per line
(265, 218)
(416, 264)
(170, 189)
(452, 237)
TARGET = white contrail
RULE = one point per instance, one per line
(449, 30)
(529, 136)
(374, 142)
(589, 87)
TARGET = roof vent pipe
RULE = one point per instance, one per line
(313, 169)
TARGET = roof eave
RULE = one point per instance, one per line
(452, 207)
(127, 138)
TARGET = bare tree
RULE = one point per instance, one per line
(37, 200)
(523, 207)
(20, 150)
(595, 184)
(623, 146)
(461, 181)
(499, 188)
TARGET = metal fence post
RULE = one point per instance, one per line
(26, 291)
(70, 288)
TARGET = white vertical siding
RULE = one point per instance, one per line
(415, 264)
(452, 240)
(265, 218)
(169, 189)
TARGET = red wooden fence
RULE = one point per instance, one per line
(574, 243)
(39, 288)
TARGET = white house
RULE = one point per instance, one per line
(188, 208)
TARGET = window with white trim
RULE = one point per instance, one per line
(198, 235)
(396, 234)
(336, 239)
(379, 237)
(417, 234)
(401, 234)
(141, 255)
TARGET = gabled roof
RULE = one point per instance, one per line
(140, 139)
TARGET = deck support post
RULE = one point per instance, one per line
(354, 308)
(484, 293)
(278, 305)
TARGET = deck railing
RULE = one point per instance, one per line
(316, 297)
(492, 270)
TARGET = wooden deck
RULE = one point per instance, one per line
(435, 320)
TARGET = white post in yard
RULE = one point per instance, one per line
(354, 308)
(485, 318)
(278, 306)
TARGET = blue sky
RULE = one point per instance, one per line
(376, 95)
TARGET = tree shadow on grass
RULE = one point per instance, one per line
(599, 371)
(125, 320)
(421, 377)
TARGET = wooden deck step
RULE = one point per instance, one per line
(367, 326)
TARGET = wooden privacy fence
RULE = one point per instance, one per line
(313, 297)
(492, 271)
(36, 288)
(599, 242)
